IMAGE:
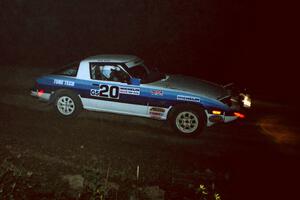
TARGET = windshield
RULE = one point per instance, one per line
(146, 75)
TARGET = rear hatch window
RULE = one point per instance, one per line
(68, 70)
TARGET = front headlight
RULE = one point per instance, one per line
(246, 100)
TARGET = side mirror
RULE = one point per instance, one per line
(135, 81)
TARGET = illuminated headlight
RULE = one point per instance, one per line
(246, 101)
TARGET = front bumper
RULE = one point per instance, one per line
(222, 118)
(236, 104)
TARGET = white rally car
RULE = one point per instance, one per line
(123, 84)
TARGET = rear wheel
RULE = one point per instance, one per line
(188, 121)
(67, 104)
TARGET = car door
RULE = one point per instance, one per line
(110, 91)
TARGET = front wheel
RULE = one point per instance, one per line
(187, 121)
(67, 104)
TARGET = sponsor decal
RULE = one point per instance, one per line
(130, 90)
(156, 112)
(111, 91)
(157, 109)
(106, 91)
(157, 92)
(64, 82)
(188, 98)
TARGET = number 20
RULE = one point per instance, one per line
(109, 91)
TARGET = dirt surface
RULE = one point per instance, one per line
(44, 156)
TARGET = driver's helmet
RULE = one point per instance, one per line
(106, 71)
(110, 72)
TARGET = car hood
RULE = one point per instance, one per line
(192, 85)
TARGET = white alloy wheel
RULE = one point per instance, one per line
(65, 105)
(187, 122)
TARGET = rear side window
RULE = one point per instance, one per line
(69, 70)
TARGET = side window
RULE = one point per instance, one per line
(108, 73)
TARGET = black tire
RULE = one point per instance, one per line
(67, 104)
(187, 120)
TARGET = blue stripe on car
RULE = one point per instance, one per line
(146, 97)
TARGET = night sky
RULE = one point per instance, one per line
(223, 41)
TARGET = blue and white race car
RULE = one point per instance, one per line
(123, 84)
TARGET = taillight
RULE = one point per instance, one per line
(40, 92)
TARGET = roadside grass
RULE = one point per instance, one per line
(16, 182)
(72, 152)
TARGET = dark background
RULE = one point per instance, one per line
(237, 41)
(251, 43)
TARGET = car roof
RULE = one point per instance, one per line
(115, 58)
